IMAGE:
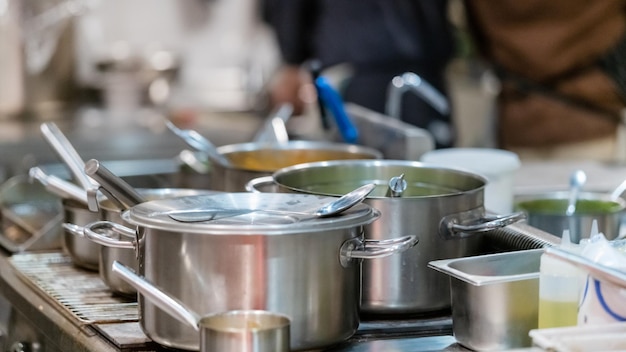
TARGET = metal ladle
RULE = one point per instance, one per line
(332, 208)
(197, 141)
(576, 181)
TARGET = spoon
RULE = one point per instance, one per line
(576, 181)
(197, 141)
(332, 208)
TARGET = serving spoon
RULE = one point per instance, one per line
(199, 142)
(577, 180)
(332, 208)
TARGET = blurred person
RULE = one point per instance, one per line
(562, 67)
(378, 39)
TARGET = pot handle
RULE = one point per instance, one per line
(357, 248)
(163, 300)
(90, 230)
(255, 184)
(465, 224)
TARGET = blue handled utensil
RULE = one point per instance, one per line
(333, 102)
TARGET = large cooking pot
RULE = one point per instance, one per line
(250, 160)
(441, 206)
(291, 263)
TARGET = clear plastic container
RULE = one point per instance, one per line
(559, 289)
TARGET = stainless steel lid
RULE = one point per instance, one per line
(247, 214)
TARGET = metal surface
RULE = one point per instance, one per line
(245, 331)
(495, 298)
(271, 264)
(397, 186)
(80, 294)
(251, 160)
(576, 182)
(84, 253)
(554, 221)
(395, 139)
(248, 214)
(58, 186)
(198, 142)
(274, 129)
(401, 284)
(335, 207)
(422, 333)
(126, 254)
(67, 153)
(410, 82)
(115, 187)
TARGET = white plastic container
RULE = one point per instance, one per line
(559, 289)
(496, 165)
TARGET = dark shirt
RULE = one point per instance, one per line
(379, 39)
(362, 32)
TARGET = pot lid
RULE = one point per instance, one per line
(246, 213)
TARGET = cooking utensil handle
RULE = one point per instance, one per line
(115, 186)
(466, 224)
(91, 231)
(371, 249)
(332, 100)
(255, 184)
(161, 299)
(74, 229)
(67, 153)
(58, 186)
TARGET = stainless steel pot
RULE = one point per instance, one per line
(251, 160)
(242, 330)
(443, 207)
(110, 251)
(83, 252)
(298, 265)
(547, 211)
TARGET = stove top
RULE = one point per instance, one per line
(87, 302)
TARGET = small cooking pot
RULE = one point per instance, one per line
(83, 252)
(547, 211)
(253, 256)
(443, 207)
(250, 160)
(110, 251)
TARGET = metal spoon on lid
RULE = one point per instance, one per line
(332, 208)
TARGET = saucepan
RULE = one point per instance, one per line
(575, 209)
(242, 331)
(250, 160)
(110, 209)
(267, 252)
(443, 207)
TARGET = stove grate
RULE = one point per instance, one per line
(78, 292)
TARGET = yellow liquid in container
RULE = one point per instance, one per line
(557, 313)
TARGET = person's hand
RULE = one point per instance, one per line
(292, 85)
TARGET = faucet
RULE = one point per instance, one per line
(411, 82)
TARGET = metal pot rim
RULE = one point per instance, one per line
(154, 214)
(298, 145)
(480, 180)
